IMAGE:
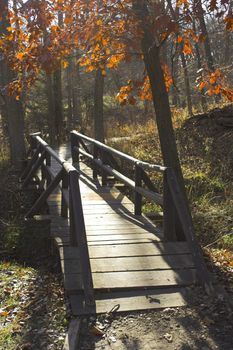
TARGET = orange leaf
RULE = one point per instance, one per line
(65, 64)
(202, 85)
(187, 49)
(179, 39)
(20, 56)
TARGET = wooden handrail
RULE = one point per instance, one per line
(113, 151)
(99, 159)
(69, 176)
(176, 213)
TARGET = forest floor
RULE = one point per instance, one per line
(33, 311)
(205, 324)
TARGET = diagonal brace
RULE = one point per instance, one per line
(42, 199)
(30, 163)
(34, 169)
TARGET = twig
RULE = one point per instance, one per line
(219, 239)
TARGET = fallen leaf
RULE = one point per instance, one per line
(96, 331)
(168, 337)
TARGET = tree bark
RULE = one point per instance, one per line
(186, 83)
(99, 106)
(51, 111)
(204, 32)
(58, 104)
(228, 41)
(199, 66)
(12, 109)
(151, 53)
(57, 92)
(76, 94)
(69, 93)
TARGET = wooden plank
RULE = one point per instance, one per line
(133, 279)
(100, 210)
(72, 337)
(108, 229)
(96, 241)
(92, 230)
(132, 263)
(113, 229)
(94, 202)
(125, 250)
(131, 300)
(120, 242)
(60, 242)
(125, 237)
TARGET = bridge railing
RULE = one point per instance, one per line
(177, 220)
(178, 223)
(42, 157)
(104, 161)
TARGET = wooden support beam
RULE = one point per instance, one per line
(80, 236)
(30, 163)
(138, 196)
(42, 199)
(188, 228)
(33, 170)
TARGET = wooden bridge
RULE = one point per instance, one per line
(111, 254)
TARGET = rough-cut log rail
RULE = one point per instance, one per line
(110, 253)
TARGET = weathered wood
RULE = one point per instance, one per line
(138, 196)
(126, 250)
(109, 231)
(72, 337)
(169, 227)
(187, 225)
(80, 233)
(148, 182)
(131, 300)
(42, 199)
(115, 249)
(74, 149)
(64, 203)
(30, 163)
(33, 170)
(134, 279)
(142, 263)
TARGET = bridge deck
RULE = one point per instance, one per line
(131, 265)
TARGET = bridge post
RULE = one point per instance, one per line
(65, 184)
(95, 155)
(48, 163)
(137, 196)
(169, 226)
(103, 172)
(74, 149)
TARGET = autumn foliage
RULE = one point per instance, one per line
(42, 35)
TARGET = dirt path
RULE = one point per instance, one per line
(206, 325)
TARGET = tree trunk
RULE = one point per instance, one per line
(69, 93)
(160, 97)
(76, 94)
(99, 106)
(58, 105)
(184, 64)
(57, 92)
(204, 32)
(228, 35)
(12, 109)
(186, 83)
(51, 112)
(199, 66)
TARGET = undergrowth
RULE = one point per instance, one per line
(32, 308)
(206, 154)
